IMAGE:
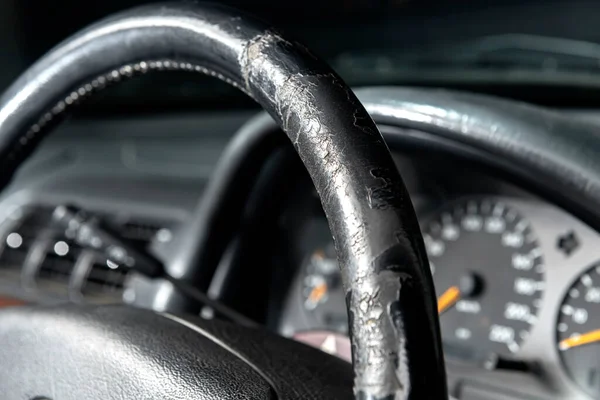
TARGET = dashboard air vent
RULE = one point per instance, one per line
(56, 268)
(105, 281)
(35, 254)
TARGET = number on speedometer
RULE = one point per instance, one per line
(489, 276)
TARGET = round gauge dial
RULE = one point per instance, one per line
(578, 331)
(323, 297)
(489, 277)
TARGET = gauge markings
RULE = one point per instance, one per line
(450, 232)
(498, 209)
(489, 276)
(513, 347)
(567, 309)
(587, 281)
(521, 226)
(472, 223)
(530, 238)
(536, 252)
(512, 239)
(524, 334)
(578, 331)
(511, 215)
(495, 225)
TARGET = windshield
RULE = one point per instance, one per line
(490, 46)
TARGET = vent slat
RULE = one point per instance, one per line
(18, 241)
(59, 261)
(101, 277)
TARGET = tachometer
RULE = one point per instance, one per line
(578, 331)
(323, 296)
(489, 275)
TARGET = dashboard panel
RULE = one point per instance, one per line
(516, 281)
(542, 285)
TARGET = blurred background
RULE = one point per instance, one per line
(503, 47)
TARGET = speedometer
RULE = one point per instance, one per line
(578, 331)
(489, 276)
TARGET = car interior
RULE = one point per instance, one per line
(358, 199)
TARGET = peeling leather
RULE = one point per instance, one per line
(331, 131)
(384, 195)
(552, 155)
(374, 323)
(389, 301)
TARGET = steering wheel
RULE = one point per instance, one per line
(116, 353)
(81, 352)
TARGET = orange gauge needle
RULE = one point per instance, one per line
(448, 298)
(575, 341)
(317, 293)
(9, 302)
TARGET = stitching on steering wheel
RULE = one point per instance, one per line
(120, 74)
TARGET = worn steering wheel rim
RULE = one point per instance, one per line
(393, 320)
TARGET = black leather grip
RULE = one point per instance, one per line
(395, 332)
(551, 153)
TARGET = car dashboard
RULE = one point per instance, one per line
(517, 278)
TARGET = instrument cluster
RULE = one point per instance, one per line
(518, 286)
